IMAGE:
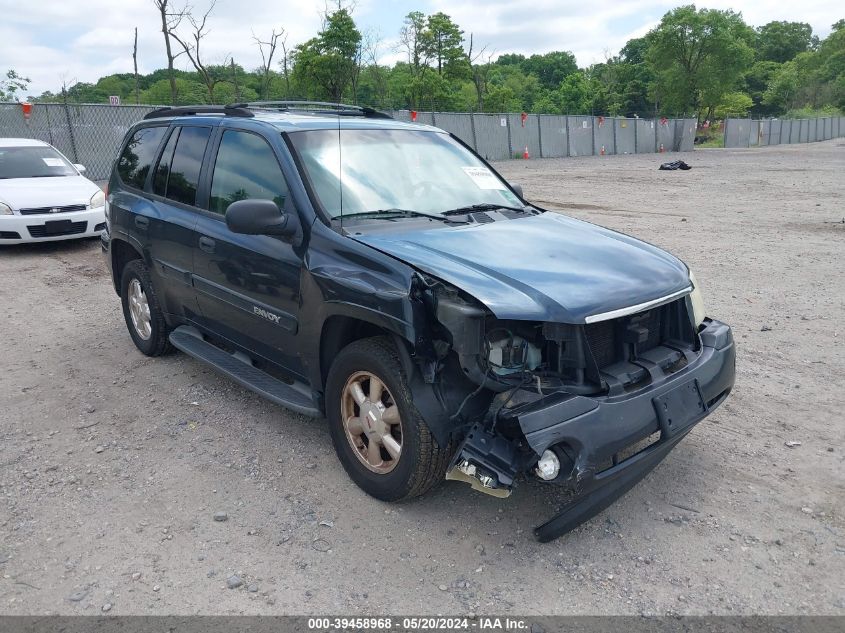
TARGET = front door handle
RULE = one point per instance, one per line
(206, 244)
(142, 222)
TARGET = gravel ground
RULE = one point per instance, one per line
(154, 486)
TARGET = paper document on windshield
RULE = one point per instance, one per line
(484, 178)
(53, 162)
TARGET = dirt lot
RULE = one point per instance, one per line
(112, 465)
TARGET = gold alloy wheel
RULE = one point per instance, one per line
(372, 422)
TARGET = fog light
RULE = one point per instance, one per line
(548, 467)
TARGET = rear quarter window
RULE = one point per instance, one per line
(138, 155)
(178, 171)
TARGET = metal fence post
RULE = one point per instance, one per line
(49, 124)
(615, 144)
(636, 136)
(472, 127)
(568, 135)
(510, 140)
(70, 133)
(593, 130)
(540, 135)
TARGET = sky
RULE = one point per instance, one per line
(56, 41)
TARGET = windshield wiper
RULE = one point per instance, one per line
(484, 206)
(397, 213)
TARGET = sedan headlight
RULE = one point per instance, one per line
(5, 209)
(98, 200)
(697, 301)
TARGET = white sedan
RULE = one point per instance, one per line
(44, 197)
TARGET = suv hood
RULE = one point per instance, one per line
(29, 193)
(547, 267)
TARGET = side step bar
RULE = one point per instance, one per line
(294, 397)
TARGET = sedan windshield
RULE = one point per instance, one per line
(33, 162)
(361, 171)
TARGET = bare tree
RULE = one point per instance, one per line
(479, 63)
(170, 19)
(135, 64)
(370, 46)
(369, 40)
(191, 47)
(267, 56)
(235, 80)
(285, 63)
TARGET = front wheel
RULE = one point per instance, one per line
(379, 436)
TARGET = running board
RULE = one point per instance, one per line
(240, 369)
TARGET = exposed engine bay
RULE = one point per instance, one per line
(501, 367)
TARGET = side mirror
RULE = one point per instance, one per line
(518, 190)
(80, 168)
(259, 217)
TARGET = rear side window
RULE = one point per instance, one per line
(185, 166)
(137, 157)
(246, 168)
(163, 169)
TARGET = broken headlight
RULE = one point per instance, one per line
(508, 353)
(697, 301)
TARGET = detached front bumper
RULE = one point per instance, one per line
(606, 445)
(603, 429)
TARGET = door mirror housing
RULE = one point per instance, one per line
(517, 190)
(80, 168)
(259, 217)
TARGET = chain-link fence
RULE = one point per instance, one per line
(91, 134)
(761, 132)
(86, 134)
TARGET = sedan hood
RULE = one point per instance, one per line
(547, 267)
(30, 193)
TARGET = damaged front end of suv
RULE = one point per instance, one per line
(589, 401)
(590, 407)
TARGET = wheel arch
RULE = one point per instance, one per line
(121, 253)
(340, 330)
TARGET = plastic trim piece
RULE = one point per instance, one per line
(615, 314)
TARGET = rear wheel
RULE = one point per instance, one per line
(379, 436)
(141, 310)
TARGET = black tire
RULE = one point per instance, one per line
(422, 463)
(157, 343)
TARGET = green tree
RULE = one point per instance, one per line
(635, 50)
(552, 68)
(10, 83)
(733, 104)
(414, 38)
(757, 82)
(511, 59)
(813, 80)
(782, 41)
(446, 42)
(572, 97)
(188, 92)
(698, 56)
(326, 64)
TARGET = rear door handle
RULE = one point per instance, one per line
(141, 222)
(207, 244)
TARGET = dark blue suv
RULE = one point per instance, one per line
(382, 275)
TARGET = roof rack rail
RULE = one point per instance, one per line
(227, 110)
(341, 109)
